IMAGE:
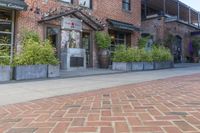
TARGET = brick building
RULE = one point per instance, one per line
(120, 18)
(170, 19)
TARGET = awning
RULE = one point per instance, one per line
(14, 4)
(122, 25)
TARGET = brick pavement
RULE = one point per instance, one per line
(162, 106)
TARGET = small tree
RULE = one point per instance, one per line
(103, 40)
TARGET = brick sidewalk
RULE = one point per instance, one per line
(162, 106)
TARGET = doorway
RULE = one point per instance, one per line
(86, 44)
(53, 35)
(177, 49)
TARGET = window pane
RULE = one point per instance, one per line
(69, 1)
(5, 26)
(5, 15)
(5, 38)
(85, 3)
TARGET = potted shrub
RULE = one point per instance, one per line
(122, 59)
(103, 41)
(162, 58)
(5, 69)
(148, 60)
(137, 63)
(34, 59)
(196, 48)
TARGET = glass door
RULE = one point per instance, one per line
(52, 34)
(86, 46)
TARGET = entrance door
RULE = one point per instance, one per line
(177, 48)
(52, 34)
(86, 45)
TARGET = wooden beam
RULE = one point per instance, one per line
(58, 16)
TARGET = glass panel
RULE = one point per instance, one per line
(5, 38)
(85, 3)
(5, 26)
(52, 35)
(5, 15)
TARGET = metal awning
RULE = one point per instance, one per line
(14, 4)
(122, 25)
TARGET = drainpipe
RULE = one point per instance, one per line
(145, 9)
(178, 10)
(189, 22)
(164, 7)
(198, 20)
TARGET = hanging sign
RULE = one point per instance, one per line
(71, 24)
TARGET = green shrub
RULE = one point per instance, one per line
(27, 35)
(161, 54)
(143, 42)
(146, 56)
(35, 52)
(103, 40)
(157, 54)
(4, 55)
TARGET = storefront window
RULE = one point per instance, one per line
(6, 33)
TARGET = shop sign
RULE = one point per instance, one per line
(71, 24)
(11, 5)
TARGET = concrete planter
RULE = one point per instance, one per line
(137, 66)
(5, 73)
(53, 71)
(148, 66)
(30, 72)
(122, 66)
(163, 65)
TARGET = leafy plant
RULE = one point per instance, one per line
(27, 35)
(35, 52)
(103, 40)
(196, 45)
(4, 55)
(161, 54)
(143, 42)
(146, 56)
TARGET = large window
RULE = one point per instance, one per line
(126, 5)
(6, 34)
(86, 3)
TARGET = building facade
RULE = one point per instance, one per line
(170, 22)
(120, 18)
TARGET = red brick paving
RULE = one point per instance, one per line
(163, 106)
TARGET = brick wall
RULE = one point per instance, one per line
(101, 9)
(161, 29)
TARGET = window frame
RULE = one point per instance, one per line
(125, 3)
(90, 4)
(71, 1)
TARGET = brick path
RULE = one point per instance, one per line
(162, 106)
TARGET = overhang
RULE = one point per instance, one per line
(14, 4)
(114, 24)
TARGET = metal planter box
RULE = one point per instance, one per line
(5, 73)
(137, 66)
(30, 72)
(53, 71)
(163, 65)
(122, 66)
(148, 66)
